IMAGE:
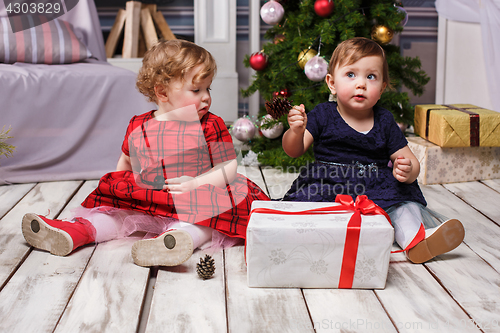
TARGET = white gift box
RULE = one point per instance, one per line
(457, 164)
(306, 251)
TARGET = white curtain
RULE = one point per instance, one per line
(487, 14)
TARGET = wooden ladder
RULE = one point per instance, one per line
(141, 26)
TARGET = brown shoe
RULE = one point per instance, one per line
(439, 240)
(171, 248)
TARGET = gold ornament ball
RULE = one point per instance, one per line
(304, 57)
(382, 34)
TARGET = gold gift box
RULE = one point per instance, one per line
(458, 125)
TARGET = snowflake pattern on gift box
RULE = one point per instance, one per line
(365, 270)
(486, 158)
(275, 218)
(368, 223)
(432, 162)
(417, 150)
(469, 170)
(319, 267)
(282, 205)
(302, 227)
(459, 160)
(442, 172)
(277, 257)
(496, 168)
(288, 285)
(337, 219)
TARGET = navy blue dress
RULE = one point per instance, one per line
(353, 163)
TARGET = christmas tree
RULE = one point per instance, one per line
(305, 28)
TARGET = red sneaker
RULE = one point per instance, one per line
(57, 236)
(171, 248)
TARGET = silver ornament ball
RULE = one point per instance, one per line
(243, 129)
(272, 12)
(316, 68)
(273, 132)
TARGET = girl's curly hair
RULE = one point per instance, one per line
(170, 60)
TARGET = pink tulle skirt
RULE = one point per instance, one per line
(137, 224)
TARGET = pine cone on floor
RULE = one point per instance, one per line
(278, 107)
(206, 267)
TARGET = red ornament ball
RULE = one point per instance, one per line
(324, 8)
(258, 61)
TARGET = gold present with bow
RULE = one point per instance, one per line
(458, 125)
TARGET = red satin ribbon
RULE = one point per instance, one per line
(362, 206)
(420, 236)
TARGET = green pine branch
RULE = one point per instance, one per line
(5, 148)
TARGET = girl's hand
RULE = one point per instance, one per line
(297, 118)
(402, 168)
(180, 185)
(297, 138)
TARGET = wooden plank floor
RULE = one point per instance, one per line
(99, 289)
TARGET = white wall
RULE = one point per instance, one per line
(461, 72)
(215, 30)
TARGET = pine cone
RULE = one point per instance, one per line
(278, 107)
(206, 267)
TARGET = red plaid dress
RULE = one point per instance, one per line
(166, 149)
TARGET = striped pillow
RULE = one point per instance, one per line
(52, 42)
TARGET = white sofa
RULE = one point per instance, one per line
(68, 121)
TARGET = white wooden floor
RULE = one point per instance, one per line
(99, 289)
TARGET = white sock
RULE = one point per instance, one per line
(406, 220)
(200, 234)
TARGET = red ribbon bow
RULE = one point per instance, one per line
(362, 206)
